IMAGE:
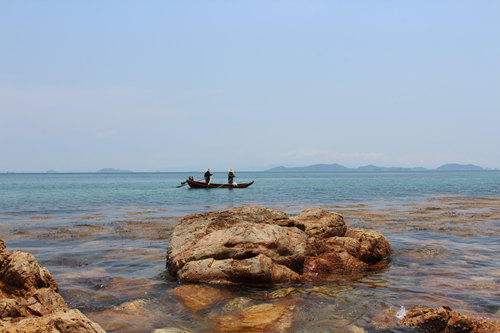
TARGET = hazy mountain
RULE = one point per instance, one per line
(459, 167)
(374, 168)
(111, 170)
(315, 167)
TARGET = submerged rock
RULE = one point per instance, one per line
(29, 301)
(199, 297)
(258, 245)
(267, 317)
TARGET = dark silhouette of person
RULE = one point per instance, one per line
(230, 176)
(208, 176)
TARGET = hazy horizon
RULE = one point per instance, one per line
(218, 171)
(173, 86)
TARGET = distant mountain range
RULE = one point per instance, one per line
(111, 170)
(368, 168)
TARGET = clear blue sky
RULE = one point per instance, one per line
(248, 85)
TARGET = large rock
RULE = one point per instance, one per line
(29, 301)
(258, 245)
(241, 244)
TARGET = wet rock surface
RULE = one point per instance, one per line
(258, 245)
(442, 319)
(29, 301)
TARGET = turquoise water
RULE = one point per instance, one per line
(76, 193)
(104, 238)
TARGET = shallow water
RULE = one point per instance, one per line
(104, 238)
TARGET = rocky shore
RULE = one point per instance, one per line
(29, 301)
(257, 245)
(443, 270)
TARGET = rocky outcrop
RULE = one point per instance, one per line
(258, 245)
(442, 319)
(29, 301)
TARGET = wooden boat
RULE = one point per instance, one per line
(195, 184)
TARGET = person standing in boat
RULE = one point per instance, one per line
(230, 177)
(208, 176)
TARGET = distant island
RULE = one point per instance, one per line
(374, 168)
(111, 170)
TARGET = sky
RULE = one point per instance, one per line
(248, 85)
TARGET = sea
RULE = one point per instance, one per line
(104, 238)
(74, 193)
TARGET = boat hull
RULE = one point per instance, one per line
(195, 184)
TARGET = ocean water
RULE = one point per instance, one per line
(88, 192)
(104, 238)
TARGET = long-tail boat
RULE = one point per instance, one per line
(196, 184)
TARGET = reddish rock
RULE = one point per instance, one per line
(258, 245)
(333, 244)
(65, 321)
(21, 270)
(269, 317)
(200, 297)
(319, 223)
(373, 246)
(445, 319)
(442, 319)
(334, 262)
(29, 301)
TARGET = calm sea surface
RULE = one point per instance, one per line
(75, 193)
(104, 238)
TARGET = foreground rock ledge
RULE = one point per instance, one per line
(29, 301)
(258, 245)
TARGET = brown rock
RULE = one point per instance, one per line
(334, 262)
(199, 297)
(269, 317)
(44, 301)
(320, 223)
(69, 321)
(257, 245)
(244, 244)
(373, 246)
(21, 270)
(334, 244)
(445, 319)
(286, 246)
(191, 228)
(256, 270)
(29, 301)
(442, 319)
